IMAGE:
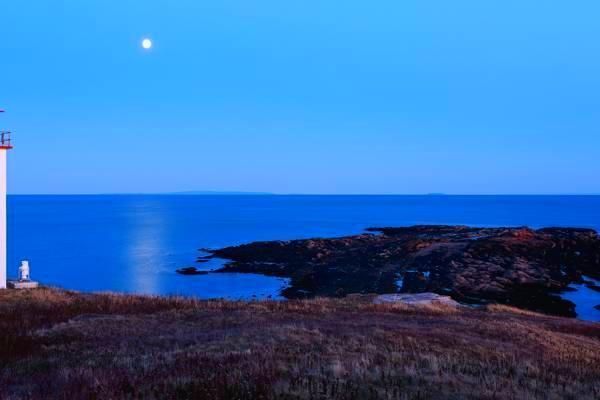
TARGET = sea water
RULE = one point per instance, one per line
(134, 243)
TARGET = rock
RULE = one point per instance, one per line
(191, 271)
(414, 282)
(416, 300)
(594, 287)
(520, 267)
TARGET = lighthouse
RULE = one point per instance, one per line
(5, 146)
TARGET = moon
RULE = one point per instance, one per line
(147, 44)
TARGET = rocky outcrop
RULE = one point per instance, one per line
(191, 271)
(517, 266)
(595, 288)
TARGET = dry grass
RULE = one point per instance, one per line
(58, 344)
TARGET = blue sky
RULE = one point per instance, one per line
(415, 96)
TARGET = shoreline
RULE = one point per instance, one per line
(528, 268)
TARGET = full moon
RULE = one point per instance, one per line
(146, 43)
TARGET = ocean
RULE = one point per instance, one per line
(134, 243)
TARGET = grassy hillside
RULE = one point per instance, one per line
(59, 344)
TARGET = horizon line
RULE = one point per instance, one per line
(266, 194)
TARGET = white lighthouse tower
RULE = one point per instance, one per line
(5, 146)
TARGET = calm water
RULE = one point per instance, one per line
(135, 243)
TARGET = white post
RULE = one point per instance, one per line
(3, 218)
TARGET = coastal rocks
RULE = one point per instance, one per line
(191, 271)
(414, 282)
(521, 267)
(417, 300)
(594, 287)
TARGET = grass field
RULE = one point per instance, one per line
(59, 344)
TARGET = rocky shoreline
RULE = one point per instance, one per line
(522, 267)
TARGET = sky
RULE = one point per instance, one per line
(311, 96)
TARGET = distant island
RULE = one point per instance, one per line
(226, 193)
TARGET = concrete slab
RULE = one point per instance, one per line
(23, 284)
(417, 299)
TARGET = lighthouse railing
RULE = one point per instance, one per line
(5, 140)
